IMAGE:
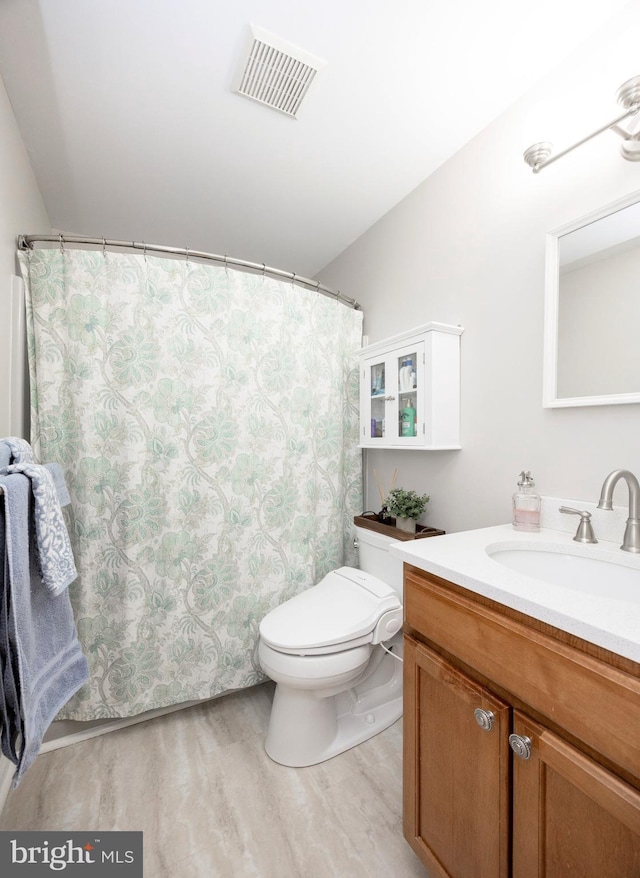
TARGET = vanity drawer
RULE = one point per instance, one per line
(592, 700)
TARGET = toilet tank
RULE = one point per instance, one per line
(374, 557)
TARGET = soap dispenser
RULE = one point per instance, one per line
(526, 505)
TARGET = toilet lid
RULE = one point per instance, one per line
(344, 606)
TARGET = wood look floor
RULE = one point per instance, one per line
(212, 804)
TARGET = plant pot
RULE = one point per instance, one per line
(406, 524)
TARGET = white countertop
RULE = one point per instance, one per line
(462, 558)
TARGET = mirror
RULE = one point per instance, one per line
(592, 309)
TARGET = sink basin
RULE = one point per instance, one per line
(611, 579)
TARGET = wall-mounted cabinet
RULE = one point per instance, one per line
(410, 389)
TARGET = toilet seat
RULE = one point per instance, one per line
(346, 609)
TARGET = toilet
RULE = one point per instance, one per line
(335, 653)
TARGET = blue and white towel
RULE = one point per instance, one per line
(41, 658)
(55, 557)
(54, 554)
(19, 450)
(41, 661)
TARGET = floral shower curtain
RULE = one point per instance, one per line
(206, 422)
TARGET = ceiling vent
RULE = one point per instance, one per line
(274, 72)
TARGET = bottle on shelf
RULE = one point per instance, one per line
(405, 376)
(377, 380)
(408, 427)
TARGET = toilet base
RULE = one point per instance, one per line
(306, 728)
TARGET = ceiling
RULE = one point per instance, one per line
(127, 113)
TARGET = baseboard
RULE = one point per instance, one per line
(6, 773)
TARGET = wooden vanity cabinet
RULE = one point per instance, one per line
(456, 785)
(476, 675)
(571, 816)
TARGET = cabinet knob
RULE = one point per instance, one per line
(521, 745)
(484, 718)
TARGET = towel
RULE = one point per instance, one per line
(15, 450)
(10, 719)
(62, 491)
(19, 449)
(54, 554)
(38, 637)
(9, 699)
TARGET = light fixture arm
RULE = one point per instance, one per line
(540, 156)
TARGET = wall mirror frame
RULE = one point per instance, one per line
(587, 226)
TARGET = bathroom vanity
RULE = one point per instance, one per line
(521, 715)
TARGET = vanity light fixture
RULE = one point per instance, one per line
(540, 155)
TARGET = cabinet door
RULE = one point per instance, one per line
(373, 400)
(571, 817)
(392, 398)
(408, 413)
(456, 773)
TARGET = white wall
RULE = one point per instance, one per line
(21, 211)
(467, 247)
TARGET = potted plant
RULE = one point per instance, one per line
(406, 507)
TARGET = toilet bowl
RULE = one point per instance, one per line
(336, 684)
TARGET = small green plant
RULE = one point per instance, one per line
(405, 504)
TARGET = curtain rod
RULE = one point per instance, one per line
(26, 242)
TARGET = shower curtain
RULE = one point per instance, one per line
(206, 423)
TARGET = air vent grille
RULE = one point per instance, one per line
(275, 73)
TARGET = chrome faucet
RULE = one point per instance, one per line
(631, 541)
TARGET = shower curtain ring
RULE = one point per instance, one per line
(144, 250)
(187, 251)
(104, 248)
(264, 269)
(61, 244)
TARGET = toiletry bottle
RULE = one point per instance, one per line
(409, 419)
(408, 374)
(526, 505)
(404, 376)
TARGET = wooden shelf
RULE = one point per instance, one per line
(370, 521)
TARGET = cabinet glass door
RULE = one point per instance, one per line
(378, 383)
(391, 398)
(406, 423)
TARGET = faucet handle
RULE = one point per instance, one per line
(585, 533)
